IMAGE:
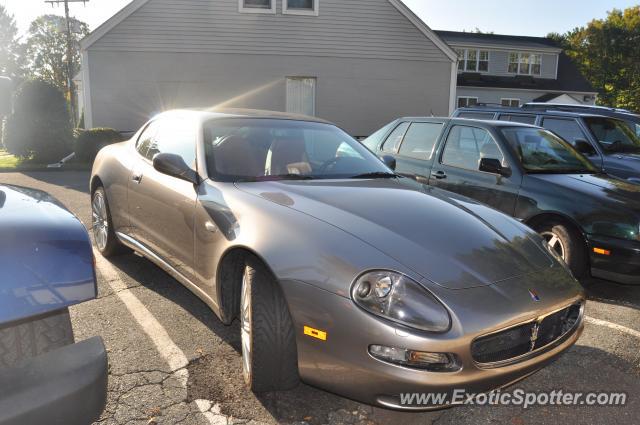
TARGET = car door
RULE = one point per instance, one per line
(457, 168)
(162, 207)
(571, 131)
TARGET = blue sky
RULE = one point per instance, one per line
(517, 17)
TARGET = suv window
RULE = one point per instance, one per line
(395, 138)
(467, 145)
(568, 129)
(146, 138)
(373, 141)
(477, 115)
(524, 119)
(420, 140)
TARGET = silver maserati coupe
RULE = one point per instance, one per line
(342, 274)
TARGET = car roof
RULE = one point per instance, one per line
(220, 113)
(485, 123)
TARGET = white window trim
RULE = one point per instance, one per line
(243, 9)
(314, 12)
(466, 97)
(465, 59)
(511, 99)
(520, 54)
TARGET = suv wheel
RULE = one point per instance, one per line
(568, 244)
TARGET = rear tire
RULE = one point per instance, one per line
(569, 244)
(269, 353)
(103, 234)
(29, 339)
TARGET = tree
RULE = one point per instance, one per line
(47, 49)
(39, 127)
(10, 48)
(608, 53)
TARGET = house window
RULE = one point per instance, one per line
(257, 6)
(525, 63)
(301, 7)
(473, 60)
(301, 95)
(467, 102)
(509, 102)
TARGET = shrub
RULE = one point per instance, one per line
(39, 127)
(89, 142)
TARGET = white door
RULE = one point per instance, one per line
(301, 95)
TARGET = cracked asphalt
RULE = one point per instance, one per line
(208, 388)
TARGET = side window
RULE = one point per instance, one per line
(524, 119)
(177, 136)
(476, 115)
(146, 138)
(569, 130)
(420, 140)
(373, 141)
(467, 145)
(395, 138)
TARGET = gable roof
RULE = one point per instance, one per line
(499, 40)
(128, 10)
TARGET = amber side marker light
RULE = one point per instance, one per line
(315, 333)
(601, 251)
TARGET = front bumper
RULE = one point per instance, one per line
(66, 386)
(342, 364)
(621, 265)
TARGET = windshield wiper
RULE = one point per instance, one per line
(376, 175)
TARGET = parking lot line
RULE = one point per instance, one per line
(168, 350)
(614, 326)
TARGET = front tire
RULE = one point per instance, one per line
(103, 234)
(269, 354)
(569, 244)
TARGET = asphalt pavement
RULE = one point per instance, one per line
(172, 361)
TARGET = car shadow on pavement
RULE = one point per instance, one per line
(612, 293)
(69, 179)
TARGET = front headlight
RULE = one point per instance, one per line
(398, 298)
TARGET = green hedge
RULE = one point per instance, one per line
(89, 142)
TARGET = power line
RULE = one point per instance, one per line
(70, 86)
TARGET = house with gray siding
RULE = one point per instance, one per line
(513, 70)
(358, 63)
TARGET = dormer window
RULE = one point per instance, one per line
(301, 7)
(525, 63)
(471, 60)
(257, 6)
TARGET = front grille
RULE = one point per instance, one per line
(520, 340)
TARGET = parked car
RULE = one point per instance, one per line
(592, 220)
(608, 142)
(632, 119)
(341, 273)
(46, 266)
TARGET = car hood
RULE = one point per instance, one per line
(602, 186)
(46, 259)
(450, 240)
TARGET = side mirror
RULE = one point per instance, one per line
(493, 166)
(5, 96)
(389, 161)
(584, 147)
(173, 165)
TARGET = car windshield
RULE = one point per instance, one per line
(541, 151)
(261, 149)
(614, 136)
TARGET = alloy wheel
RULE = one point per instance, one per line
(245, 325)
(555, 243)
(100, 220)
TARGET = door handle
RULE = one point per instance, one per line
(439, 175)
(137, 178)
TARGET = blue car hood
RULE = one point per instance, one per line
(46, 259)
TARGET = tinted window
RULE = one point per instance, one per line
(177, 136)
(569, 130)
(420, 140)
(146, 138)
(540, 151)
(467, 145)
(395, 138)
(524, 119)
(476, 115)
(613, 135)
(373, 141)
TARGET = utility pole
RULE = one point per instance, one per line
(70, 87)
